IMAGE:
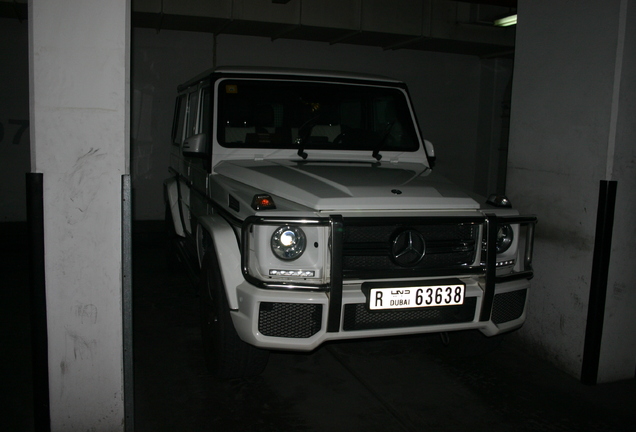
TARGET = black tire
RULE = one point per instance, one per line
(226, 355)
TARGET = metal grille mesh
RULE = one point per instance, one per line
(371, 233)
(508, 306)
(367, 248)
(290, 320)
(359, 317)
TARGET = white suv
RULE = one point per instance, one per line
(307, 201)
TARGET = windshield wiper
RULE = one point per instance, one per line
(303, 134)
(301, 151)
(376, 152)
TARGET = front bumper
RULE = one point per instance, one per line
(298, 320)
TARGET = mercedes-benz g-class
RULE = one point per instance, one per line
(308, 203)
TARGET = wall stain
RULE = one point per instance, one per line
(82, 347)
(79, 193)
(619, 289)
(87, 313)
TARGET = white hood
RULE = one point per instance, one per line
(326, 186)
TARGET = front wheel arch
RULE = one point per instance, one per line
(204, 243)
(223, 240)
(171, 198)
(227, 356)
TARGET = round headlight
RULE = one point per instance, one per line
(505, 235)
(288, 243)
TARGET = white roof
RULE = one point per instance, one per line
(274, 71)
(302, 72)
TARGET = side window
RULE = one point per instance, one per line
(206, 121)
(206, 124)
(179, 117)
(193, 104)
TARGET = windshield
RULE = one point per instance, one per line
(312, 115)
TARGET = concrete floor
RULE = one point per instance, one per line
(404, 384)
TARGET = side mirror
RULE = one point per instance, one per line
(195, 146)
(430, 152)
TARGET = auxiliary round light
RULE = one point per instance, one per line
(505, 236)
(288, 242)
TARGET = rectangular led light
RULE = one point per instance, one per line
(293, 273)
(506, 21)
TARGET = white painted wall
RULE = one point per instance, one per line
(561, 135)
(79, 140)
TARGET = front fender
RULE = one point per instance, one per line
(228, 254)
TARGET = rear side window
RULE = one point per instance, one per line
(205, 110)
(193, 104)
(179, 117)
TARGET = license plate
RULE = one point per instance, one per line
(416, 296)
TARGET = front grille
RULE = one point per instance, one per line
(369, 249)
(508, 306)
(359, 317)
(289, 320)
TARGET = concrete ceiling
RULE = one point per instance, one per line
(462, 27)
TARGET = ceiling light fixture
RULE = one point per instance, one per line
(506, 21)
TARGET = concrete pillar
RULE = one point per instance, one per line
(618, 348)
(571, 129)
(79, 122)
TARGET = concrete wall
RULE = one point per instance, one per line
(562, 145)
(160, 62)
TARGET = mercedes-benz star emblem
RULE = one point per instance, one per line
(408, 248)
